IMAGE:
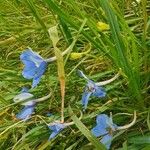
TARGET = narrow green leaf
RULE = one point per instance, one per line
(37, 16)
(119, 53)
(68, 19)
(125, 147)
(60, 66)
(147, 147)
(140, 140)
(66, 31)
(148, 121)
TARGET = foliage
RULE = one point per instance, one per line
(25, 23)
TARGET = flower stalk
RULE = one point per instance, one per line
(109, 80)
(128, 125)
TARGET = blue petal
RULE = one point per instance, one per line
(99, 130)
(111, 124)
(56, 128)
(85, 99)
(29, 56)
(106, 122)
(39, 73)
(99, 91)
(102, 125)
(106, 140)
(29, 70)
(35, 82)
(103, 120)
(53, 134)
(96, 90)
(35, 66)
(81, 74)
(41, 69)
(26, 113)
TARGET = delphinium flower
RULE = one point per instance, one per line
(56, 128)
(35, 66)
(105, 127)
(29, 106)
(91, 89)
(26, 99)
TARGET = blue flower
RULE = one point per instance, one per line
(29, 106)
(56, 129)
(35, 66)
(26, 112)
(91, 89)
(105, 127)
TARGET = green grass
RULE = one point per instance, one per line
(126, 45)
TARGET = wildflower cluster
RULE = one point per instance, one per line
(35, 67)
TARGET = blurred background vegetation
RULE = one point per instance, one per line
(24, 23)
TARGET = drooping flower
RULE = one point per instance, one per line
(35, 66)
(29, 106)
(91, 89)
(56, 129)
(105, 128)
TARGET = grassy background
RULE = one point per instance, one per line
(126, 45)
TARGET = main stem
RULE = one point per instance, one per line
(62, 84)
(62, 110)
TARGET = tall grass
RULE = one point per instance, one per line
(126, 45)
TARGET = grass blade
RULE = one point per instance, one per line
(37, 16)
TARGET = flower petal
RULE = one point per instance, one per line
(56, 129)
(35, 82)
(26, 112)
(39, 73)
(53, 134)
(30, 56)
(99, 130)
(106, 140)
(99, 91)
(102, 119)
(35, 66)
(102, 125)
(96, 90)
(81, 74)
(29, 70)
(111, 124)
(85, 99)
